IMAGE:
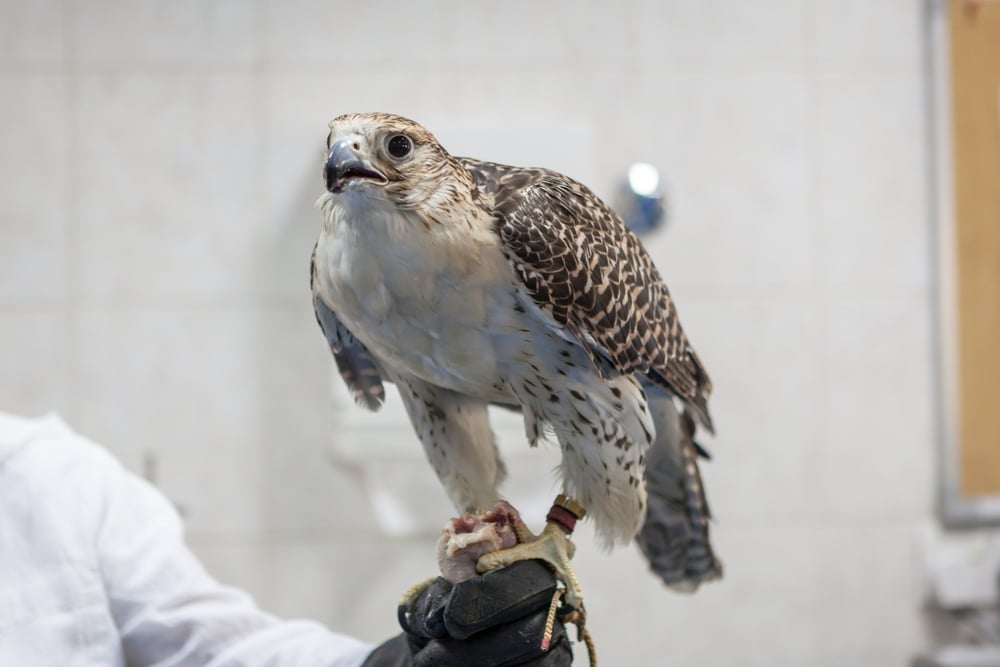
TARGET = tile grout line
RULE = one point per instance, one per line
(267, 563)
(820, 287)
(71, 188)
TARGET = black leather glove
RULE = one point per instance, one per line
(493, 620)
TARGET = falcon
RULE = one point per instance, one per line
(469, 284)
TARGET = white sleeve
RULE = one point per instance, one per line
(169, 611)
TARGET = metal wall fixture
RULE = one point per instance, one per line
(642, 202)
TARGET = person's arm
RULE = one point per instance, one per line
(169, 611)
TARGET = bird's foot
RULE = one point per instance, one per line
(552, 545)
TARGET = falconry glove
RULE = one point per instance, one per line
(497, 619)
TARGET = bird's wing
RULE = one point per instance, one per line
(590, 276)
(354, 361)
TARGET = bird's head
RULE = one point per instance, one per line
(388, 157)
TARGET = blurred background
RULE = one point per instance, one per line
(159, 162)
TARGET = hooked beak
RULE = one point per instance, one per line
(344, 164)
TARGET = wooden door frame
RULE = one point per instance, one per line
(955, 508)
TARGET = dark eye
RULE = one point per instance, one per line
(399, 146)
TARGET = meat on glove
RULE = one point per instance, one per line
(495, 619)
(464, 539)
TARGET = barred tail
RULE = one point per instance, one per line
(674, 537)
(362, 378)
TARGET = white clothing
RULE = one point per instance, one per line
(94, 572)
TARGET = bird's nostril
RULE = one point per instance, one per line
(356, 145)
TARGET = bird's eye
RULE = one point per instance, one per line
(399, 146)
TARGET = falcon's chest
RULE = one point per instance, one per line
(425, 298)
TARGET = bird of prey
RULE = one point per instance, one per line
(468, 284)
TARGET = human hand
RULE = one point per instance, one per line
(494, 620)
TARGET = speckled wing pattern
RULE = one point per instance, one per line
(587, 272)
(354, 361)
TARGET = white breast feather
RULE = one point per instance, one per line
(420, 298)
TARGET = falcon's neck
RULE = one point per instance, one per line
(443, 196)
(453, 224)
(444, 205)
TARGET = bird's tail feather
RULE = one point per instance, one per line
(675, 535)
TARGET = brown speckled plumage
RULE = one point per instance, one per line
(591, 275)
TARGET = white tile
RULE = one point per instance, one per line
(535, 36)
(765, 360)
(533, 97)
(31, 33)
(285, 241)
(821, 408)
(689, 32)
(733, 154)
(169, 171)
(878, 434)
(871, 195)
(790, 595)
(306, 492)
(351, 587)
(866, 36)
(343, 36)
(113, 32)
(216, 487)
(35, 363)
(33, 162)
(234, 562)
(294, 365)
(182, 385)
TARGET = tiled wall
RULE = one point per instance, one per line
(158, 165)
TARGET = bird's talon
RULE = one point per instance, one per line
(552, 546)
(489, 562)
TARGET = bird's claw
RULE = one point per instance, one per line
(552, 545)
